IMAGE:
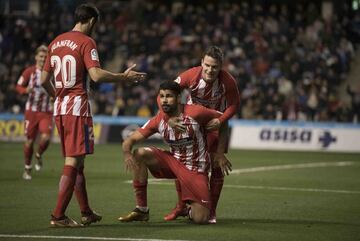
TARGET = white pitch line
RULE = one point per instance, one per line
(292, 166)
(273, 168)
(79, 238)
(293, 189)
(165, 182)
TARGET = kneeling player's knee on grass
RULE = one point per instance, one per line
(199, 214)
(200, 218)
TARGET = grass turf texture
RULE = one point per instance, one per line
(244, 213)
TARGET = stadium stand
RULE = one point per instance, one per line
(289, 60)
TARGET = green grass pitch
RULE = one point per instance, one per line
(320, 202)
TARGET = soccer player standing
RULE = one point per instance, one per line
(38, 112)
(70, 55)
(188, 159)
(211, 86)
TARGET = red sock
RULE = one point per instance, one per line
(216, 184)
(80, 191)
(28, 152)
(179, 193)
(66, 188)
(43, 145)
(140, 193)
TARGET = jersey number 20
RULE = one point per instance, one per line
(67, 68)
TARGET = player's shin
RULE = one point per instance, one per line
(180, 208)
(180, 203)
(28, 152)
(216, 184)
(140, 189)
(66, 188)
(43, 145)
(81, 193)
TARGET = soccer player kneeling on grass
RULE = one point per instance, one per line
(187, 160)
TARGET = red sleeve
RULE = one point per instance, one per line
(90, 54)
(151, 126)
(185, 78)
(232, 96)
(23, 81)
(20, 89)
(202, 114)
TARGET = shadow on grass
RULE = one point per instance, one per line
(143, 227)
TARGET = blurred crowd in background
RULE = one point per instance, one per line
(287, 59)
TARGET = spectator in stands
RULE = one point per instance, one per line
(355, 102)
(164, 38)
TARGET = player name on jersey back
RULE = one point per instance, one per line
(64, 43)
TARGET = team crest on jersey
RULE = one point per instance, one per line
(94, 55)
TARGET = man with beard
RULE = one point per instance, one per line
(212, 87)
(187, 160)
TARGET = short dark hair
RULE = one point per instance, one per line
(84, 12)
(216, 53)
(170, 85)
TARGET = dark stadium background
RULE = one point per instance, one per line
(297, 73)
(282, 53)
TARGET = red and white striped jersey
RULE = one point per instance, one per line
(38, 99)
(190, 146)
(221, 95)
(69, 57)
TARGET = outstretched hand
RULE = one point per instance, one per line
(222, 161)
(134, 76)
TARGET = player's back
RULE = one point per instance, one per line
(71, 54)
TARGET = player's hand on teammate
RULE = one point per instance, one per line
(130, 162)
(134, 76)
(214, 124)
(222, 161)
(29, 89)
(177, 124)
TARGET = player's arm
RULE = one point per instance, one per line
(47, 84)
(46, 75)
(220, 159)
(233, 101)
(232, 98)
(139, 135)
(22, 90)
(103, 76)
(219, 156)
(22, 85)
(130, 162)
